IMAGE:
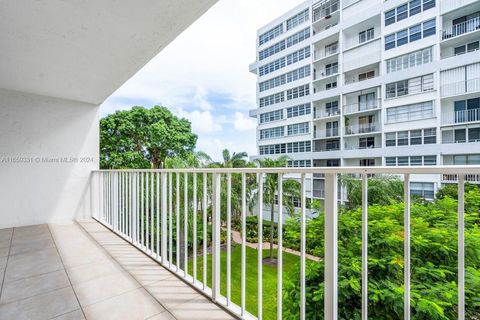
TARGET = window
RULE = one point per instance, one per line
(298, 56)
(415, 137)
(367, 162)
(391, 161)
(299, 163)
(402, 138)
(299, 110)
(331, 108)
(331, 85)
(422, 189)
(367, 142)
(298, 37)
(391, 139)
(332, 145)
(402, 161)
(331, 48)
(366, 35)
(298, 19)
(410, 60)
(270, 51)
(272, 66)
(298, 128)
(298, 92)
(416, 160)
(271, 116)
(410, 86)
(366, 75)
(410, 112)
(407, 10)
(468, 159)
(473, 134)
(272, 99)
(291, 76)
(460, 135)
(332, 128)
(301, 146)
(429, 160)
(270, 34)
(429, 136)
(401, 37)
(271, 133)
(412, 161)
(469, 47)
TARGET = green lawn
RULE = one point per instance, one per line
(269, 278)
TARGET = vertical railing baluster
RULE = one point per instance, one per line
(331, 246)
(406, 244)
(280, 249)
(229, 236)
(204, 230)
(244, 242)
(170, 219)
(185, 225)
(216, 236)
(141, 186)
(260, 247)
(164, 217)
(364, 246)
(194, 216)
(158, 215)
(461, 247)
(152, 213)
(134, 207)
(303, 229)
(147, 211)
(177, 220)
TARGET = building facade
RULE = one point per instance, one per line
(371, 83)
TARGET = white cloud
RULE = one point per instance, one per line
(203, 74)
(242, 123)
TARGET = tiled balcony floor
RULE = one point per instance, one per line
(82, 270)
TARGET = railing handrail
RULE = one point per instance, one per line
(347, 109)
(458, 29)
(461, 116)
(444, 169)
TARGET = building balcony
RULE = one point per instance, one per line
(325, 73)
(461, 28)
(453, 178)
(460, 87)
(361, 107)
(362, 128)
(326, 114)
(325, 53)
(460, 117)
(326, 134)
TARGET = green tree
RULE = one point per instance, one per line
(291, 190)
(233, 160)
(143, 138)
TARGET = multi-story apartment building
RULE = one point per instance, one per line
(370, 83)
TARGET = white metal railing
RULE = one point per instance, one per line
(453, 178)
(323, 73)
(326, 52)
(461, 28)
(143, 206)
(326, 133)
(325, 9)
(323, 113)
(362, 128)
(463, 116)
(460, 87)
(359, 107)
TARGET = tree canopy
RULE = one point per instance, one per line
(143, 138)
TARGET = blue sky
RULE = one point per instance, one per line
(203, 75)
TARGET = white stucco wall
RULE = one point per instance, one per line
(34, 127)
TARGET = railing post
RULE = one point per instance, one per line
(216, 237)
(406, 223)
(331, 249)
(461, 248)
(164, 218)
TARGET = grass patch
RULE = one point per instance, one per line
(269, 278)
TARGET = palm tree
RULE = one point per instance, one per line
(291, 189)
(235, 160)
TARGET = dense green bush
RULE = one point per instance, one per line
(433, 265)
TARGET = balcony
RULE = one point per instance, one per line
(459, 117)
(325, 73)
(323, 113)
(460, 87)
(326, 52)
(326, 133)
(453, 178)
(361, 107)
(461, 28)
(362, 128)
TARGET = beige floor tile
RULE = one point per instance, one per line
(29, 287)
(42, 307)
(105, 287)
(150, 274)
(32, 246)
(165, 315)
(133, 305)
(4, 252)
(90, 271)
(172, 292)
(32, 264)
(74, 315)
(200, 308)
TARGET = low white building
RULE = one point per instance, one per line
(371, 83)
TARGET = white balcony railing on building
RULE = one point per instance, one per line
(461, 28)
(144, 206)
(453, 178)
(324, 73)
(359, 107)
(326, 133)
(327, 52)
(325, 9)
(463, 116)
(362, 128)
(460, 87)
(323, 113)
(357, 146)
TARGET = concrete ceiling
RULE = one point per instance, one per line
(85, 49)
